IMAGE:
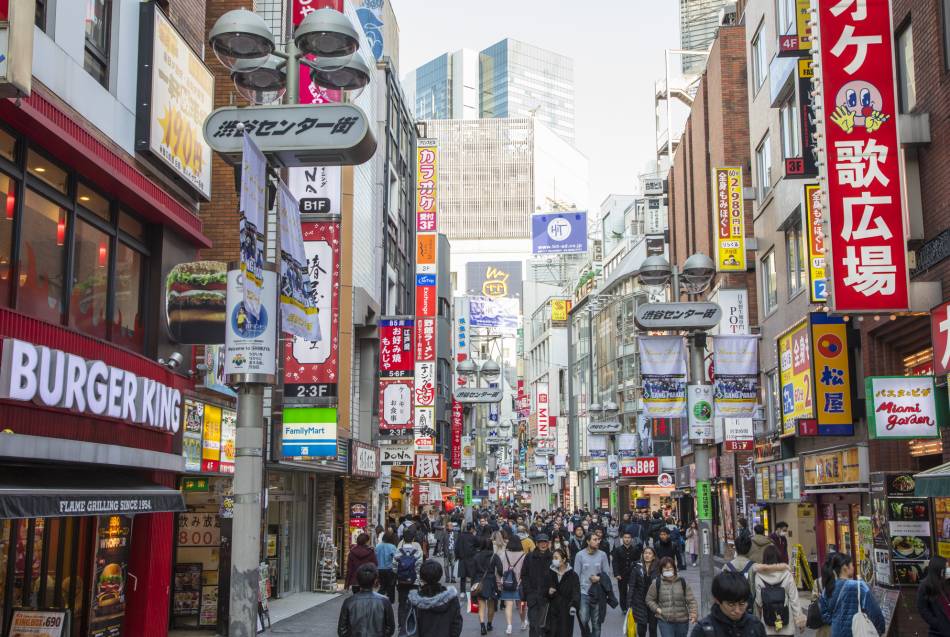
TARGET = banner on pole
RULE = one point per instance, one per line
(253, 206)
(663, 369)
(297, 302)
(736, 383)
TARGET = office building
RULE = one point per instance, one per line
(446, 87)
(699, 22)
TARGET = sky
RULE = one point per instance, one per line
(618, 50)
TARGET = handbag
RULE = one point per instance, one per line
(473, 606)
(630, 627)
(814, 619)
(861, 624)
(412, 622)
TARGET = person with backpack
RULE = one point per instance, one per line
(624, 555)
(487, 567)
(407, 560)
(672, 601)
(509, 583)
(933, 598)
(366, 613)
(434, 609)
(776, 596)
(642, 574)
(729, 616)
(847, 603)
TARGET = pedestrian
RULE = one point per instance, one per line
(843, 596)
(527, 540)
(743, 528)
(933, 598)
(642, 574)
(450, 537)
(366, 613)
(729, 616)
(407, 560)
(664, 545)
(589, 564)
(509, 581)
(384, 561)
(436, 608)
(692, 542)
(780, 539)
(577, 544)
(564, 597)
(535, 575)
(465, 552)
(624, 556)
(759, 542)
(776, 596)
(672, 601)
(360, 554)
(487, 567)
(655, 525)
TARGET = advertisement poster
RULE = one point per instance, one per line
(209, 606)
(228, 439)
(458, 417)
(395, 347)
(736, 381)
(253, 209)
(211, 440)
(818, 284)
(494, 279)
(867, 258)
(730, 220)
(251, 340)
(395, 403)
(39, 623)
(298, 312)
(699, 400)
(942, 526)
(191, 448)
(107, 609)
(663, 369)
(310, 367)
(865, 552)
(559, 232)
(498, 313)
(427, 185)
(425, 339)
(902, 407)
(560, 308)
(186, 589)
(794, 355)
(829, 338)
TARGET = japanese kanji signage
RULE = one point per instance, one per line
(730, 219)
(829, 338)
(902, 407)
(425, 384)
(395, 403)
(818, 284)
(395, 347)
(679, 316)
(804, 166)
(427, 189)
(428, 466)
(703, 500)
(425, 339)
(458, 416)
(867, 258)
(940, 338)
(310, 93)
(427, 185)
(794, 355)
(798, 41)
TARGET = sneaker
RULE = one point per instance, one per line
(484, 632)
(524, 625)
(508, 630)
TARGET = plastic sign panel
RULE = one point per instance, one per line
(396, 455)
(458, 418)
(700, 408)
(309, 432)
(902, 407)
(560, 308)
(867, 260)
(730, 219)
(794, 356)
(396, 403)
(395, 347)
(940, 337)
(818, 284)
(703, 500)
(559, 232)
(544, 428)
(829, 338)
(642, 467)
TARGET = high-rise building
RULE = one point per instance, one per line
(699, 21)
(446, 87)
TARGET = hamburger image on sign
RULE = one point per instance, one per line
(109, 592)
(196, 302)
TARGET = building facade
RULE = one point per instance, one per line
(699, 21)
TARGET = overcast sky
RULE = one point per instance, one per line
(617, 46)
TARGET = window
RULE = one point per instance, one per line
(769, 283)
(795, 259)
(98, 23)
(760, 67)
(786, 18)
(772, 416)
(763, 167)
(791, 138)
(90, 283)
(8, 197)
(40, 18)
(906, 83)
(42, 258)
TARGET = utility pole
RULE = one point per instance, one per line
(697, 349)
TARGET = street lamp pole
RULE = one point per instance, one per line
(697, 349)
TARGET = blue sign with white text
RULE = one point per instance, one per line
(559, 232)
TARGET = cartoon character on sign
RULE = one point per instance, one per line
(859, 104)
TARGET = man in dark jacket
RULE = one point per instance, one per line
(780, 540)
(577, 544)
(664, 546)
(465, 551)
(622, 558)
(535, 581)
(729, 616)
(654, 529)
(366, 613)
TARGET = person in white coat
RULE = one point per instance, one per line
(780, 616)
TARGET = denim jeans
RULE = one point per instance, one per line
(590, 615)
(669, 629)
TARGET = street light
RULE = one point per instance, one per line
(490, 371)
(697, 274)
(241, 35)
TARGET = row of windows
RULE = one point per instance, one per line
(98, 24)
(69, 255)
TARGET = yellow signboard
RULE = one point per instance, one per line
(818, 285)
(211, 441)
(560, 309)
(794, 357)
(829, 338)
(835, 467)
(730, 220)
(803, 16)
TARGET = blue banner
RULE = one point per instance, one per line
(558, 232)
(487, 312)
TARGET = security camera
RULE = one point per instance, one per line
(173, 362)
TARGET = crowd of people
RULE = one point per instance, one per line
(546, 571)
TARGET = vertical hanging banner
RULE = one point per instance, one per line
(298, 313)
(818, 284)
(663, 369)
(736, 384)
(395, 403)
(730, 219)
(427, 239)
(458, 417)
(829, 340)
(311, 93)
(253, 208)
(867, 258)
(310, 367)
(544, 423)
(395, 348)
(794, 359)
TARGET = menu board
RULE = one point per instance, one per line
(186, 596)
(909, 536)
(107, 609)
(209, 606)
(39, 623)
(942, 526)
(193, 421)
(887, 600)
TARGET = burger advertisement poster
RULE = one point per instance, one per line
(107, 609)
(196, 302)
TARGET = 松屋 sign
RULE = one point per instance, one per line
(867, 261)
(54, 378)
(902, 407)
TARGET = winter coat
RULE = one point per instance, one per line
(366, 614)
(535, 575)
(602, 594)
(414, 546)
(674, 598)
(784, 579)
(637, 587)
(567, 595)
(623, 557)
(839, 609)
(665, 549)
(719, 625)
(654, 530)
(439, 615)
(465, 553)
(759, 542)
(931, 611)
(513, 560)
(360, 554)
(781, 543)
(692, 541)
(575, 546)
(486, 567)
(384, 555)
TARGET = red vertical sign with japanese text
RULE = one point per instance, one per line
(868, 259)
(310, 93)
(458, 416)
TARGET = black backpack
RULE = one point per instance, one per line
(406, 565)
(747, 573)
(774, 605)
(509, 581)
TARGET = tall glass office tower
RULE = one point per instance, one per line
(699, 22)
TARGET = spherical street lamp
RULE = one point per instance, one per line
(241, 35)
(698, 273)
(263, 84)
(326, 33)
(491, 370)
(655, 271)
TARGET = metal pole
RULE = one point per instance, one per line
(246, 531)
(669, 117)
(697, 347)
(293, 72)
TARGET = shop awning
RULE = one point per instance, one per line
(32, 492)
(933, 482)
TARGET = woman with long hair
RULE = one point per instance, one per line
(933, 598)
(564, 596)
(487, 567)
(642, 574)
(843, 596)
(509, 581)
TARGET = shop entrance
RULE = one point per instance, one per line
(288, 541)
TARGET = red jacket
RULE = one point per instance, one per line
(359, 555)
